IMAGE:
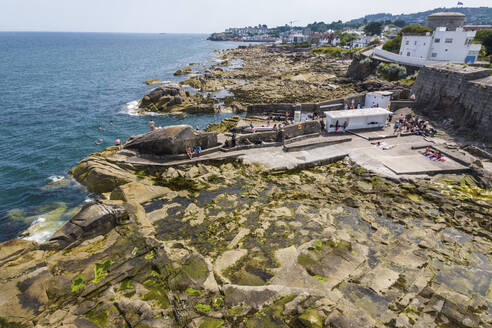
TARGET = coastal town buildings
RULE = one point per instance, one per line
(449, 42)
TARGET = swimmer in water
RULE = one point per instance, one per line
(110, 123)
(98, 141)
(117, 142)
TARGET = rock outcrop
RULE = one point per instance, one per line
(92, 220)
(99, 175)
(171, 99)
(171, 140)
(361, 68)
(227, 245)
(457, 95)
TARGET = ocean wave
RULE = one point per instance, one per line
(56, 178)
(130, 108)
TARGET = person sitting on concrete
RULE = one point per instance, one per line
(189, 152)
(429, 151)
(233, 141)
(198, 150)
(396, 128)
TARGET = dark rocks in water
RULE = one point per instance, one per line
(171, 140)
(173, 99)
(99, 175)
(162, 94)
(94, 219)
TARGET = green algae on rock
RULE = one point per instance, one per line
(309, 248)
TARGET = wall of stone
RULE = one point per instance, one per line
(254, 138)
(288, 132)
(295, 130)
(460, 94)
(305, 107)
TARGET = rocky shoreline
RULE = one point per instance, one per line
(228, 244)
(256, 75)
(223, 242)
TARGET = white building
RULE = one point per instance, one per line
(297, 38)
(442, 45)
(356, 119)
(378, 99)
(363, 41)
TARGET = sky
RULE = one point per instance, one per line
(194, 16)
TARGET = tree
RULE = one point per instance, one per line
(395, 44)
(485, 38)
(392, 72)
(415, 30)
(400, 22)
(373, 28)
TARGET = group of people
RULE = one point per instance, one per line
(412, 124)
(99, 141)
(352, 106)
(193, 151)
(434, 154)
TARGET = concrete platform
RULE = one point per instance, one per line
(419, 164)
(315, 143)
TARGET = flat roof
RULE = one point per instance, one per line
(447, 14)
(383, 93)
(357, 112)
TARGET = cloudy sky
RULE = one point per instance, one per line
(192, 16)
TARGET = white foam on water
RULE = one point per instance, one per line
(41, 229)
(56, 178)
(130, 108)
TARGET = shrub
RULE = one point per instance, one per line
(395, 44)
(392, 72)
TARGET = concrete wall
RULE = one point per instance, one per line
(288, 132)
(252, 138)
(402, 59)
(397, 104)
(306, 107)
(295, 130)
(462, 94)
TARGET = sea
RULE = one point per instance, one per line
(58, 94)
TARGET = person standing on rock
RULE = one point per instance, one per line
(152, 125)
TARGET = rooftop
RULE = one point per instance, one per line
(357, 112)
(460, 68)
(447, 14)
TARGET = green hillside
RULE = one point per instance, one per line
(479, 16)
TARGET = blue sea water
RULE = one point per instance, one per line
(56, 89)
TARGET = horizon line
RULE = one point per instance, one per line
(107, 32)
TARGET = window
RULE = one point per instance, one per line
(434, 54)
(408, 54)
(449, 40)
(437, 40)
(415, 42)
(407, 43)
(468, 41)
